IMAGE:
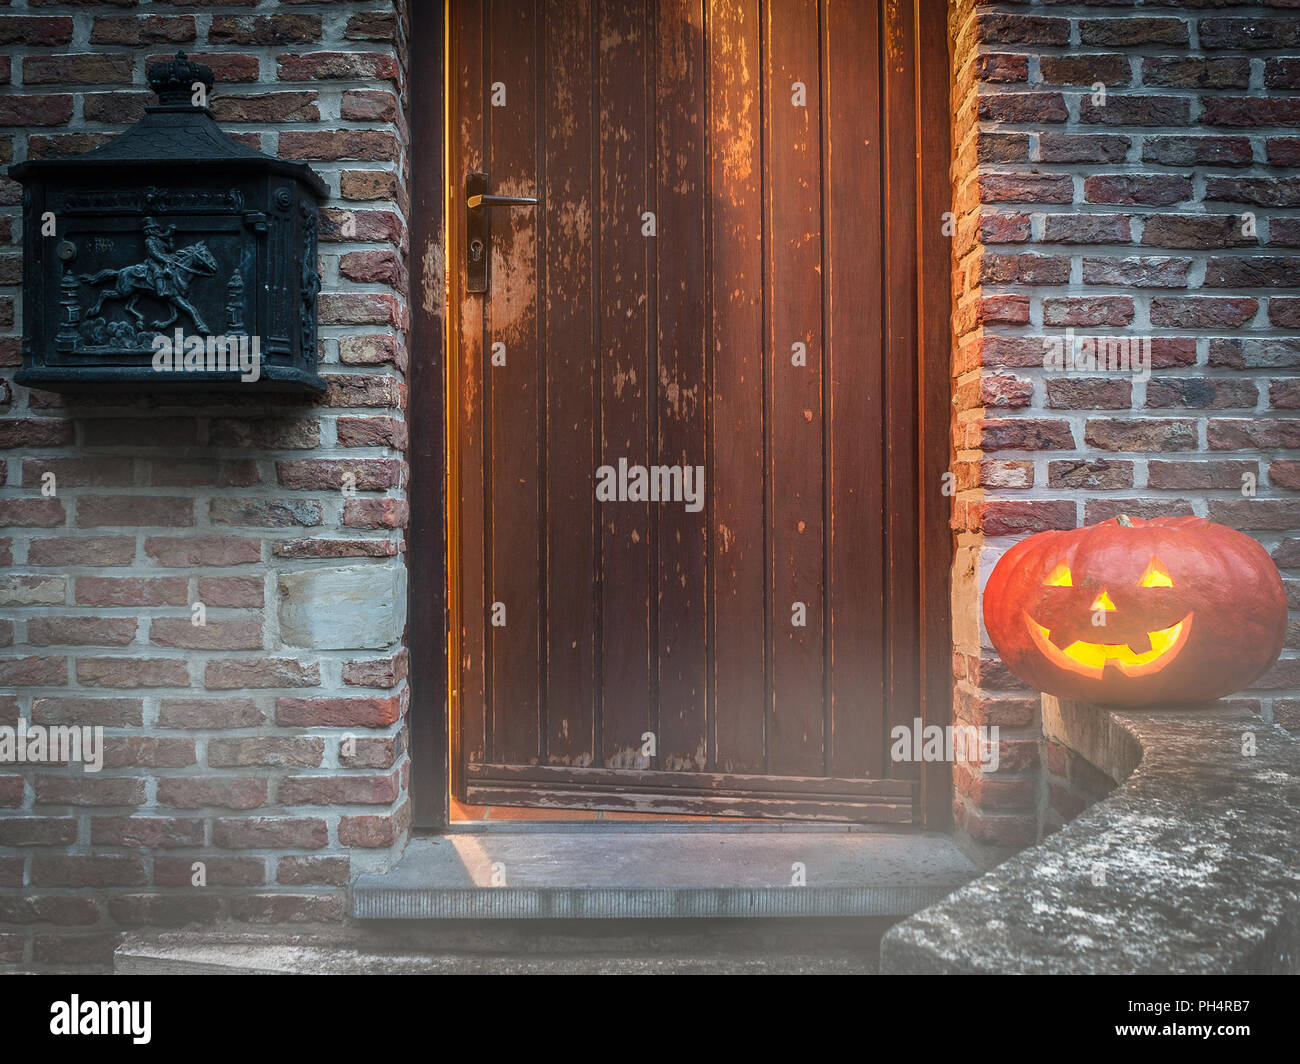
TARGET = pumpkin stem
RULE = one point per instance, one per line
(1124, 521)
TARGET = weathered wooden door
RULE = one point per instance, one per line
(716, 287)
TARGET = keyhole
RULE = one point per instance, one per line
(475, 250)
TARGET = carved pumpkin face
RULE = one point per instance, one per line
(1134, 612)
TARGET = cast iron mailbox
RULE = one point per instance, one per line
(171, 258)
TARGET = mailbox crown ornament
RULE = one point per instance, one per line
(172, 258)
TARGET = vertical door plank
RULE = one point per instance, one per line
(680, 248)
(736, 482)
(513, 399)
(626, 387)
(569, 365)
(793, 203)
(467, 22)
(900, 370)
(854, 539)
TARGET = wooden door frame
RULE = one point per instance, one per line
(925, 76)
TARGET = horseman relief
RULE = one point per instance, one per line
(165, 276)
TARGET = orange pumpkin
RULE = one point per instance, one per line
(1133, 612)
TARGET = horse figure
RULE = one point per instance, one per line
(148, 278)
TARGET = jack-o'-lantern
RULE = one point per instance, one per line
(1133, 612)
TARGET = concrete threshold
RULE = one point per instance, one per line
(640, 871)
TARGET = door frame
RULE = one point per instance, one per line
(921, 36)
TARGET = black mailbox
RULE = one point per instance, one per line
(171, 258)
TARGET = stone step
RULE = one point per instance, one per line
(244, 953)
(634, 871)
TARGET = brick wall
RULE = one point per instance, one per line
(1123, 213)
(228, 743)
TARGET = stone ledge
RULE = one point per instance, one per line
(1196, 852)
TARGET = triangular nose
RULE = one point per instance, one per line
(1102, 602)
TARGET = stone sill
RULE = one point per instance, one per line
(1189, 866)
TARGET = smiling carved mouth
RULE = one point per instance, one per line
(1091, 659)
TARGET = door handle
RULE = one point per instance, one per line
(484, 200)
(478, 227)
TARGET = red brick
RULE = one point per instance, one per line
(244, 592)
(1010, 518)
(997, 28)
(37, 831)
(148, 29)
(214, 635)
(132, 672)
(1194, 313)
(1140, 435)
(82, 550)
(131, 591)
(201, 792)
(1088, 310)
(1023, 107)
(1098, 474)
(367, 474)
(1240, 434)
(1131, 30)
(218, 871)
(1202, 476)
(1026, 188)
(376, 145)
(81, 631)
(375, 513)
(1143, 110)
(384, 672)
(383, 431)
(336, 548)
(1199, 150)
(264, 29)
(293, 751)
(1088, 393)
(348, 66)
(209, 713)
(33, 32)
(33, 672)
(31, 513)
(337, 712)
(30, 110)
(127, 511)
(225, 674)
(147, 751)
(269, 833)
(313, 871)
(164, 910)
(1137, 271)
(146, 832)
(89, 790)
(89, 712)
(1155, 189)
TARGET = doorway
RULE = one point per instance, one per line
(692, 464)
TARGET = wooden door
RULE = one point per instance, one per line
(718, 279)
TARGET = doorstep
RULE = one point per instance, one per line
(647, 871)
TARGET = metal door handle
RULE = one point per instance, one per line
(484, 200)
(478, 227)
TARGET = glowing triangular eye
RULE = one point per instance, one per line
(1156, 576)
(1060, 577)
